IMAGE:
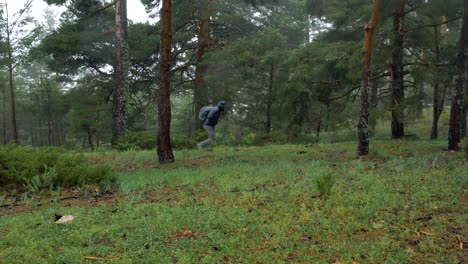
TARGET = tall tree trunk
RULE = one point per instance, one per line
(374, 101)
(419, 94)
(199, 96)
(4, 122)
(270, 99)
(90, 139)
(454, 136)
(164, 98)
(10, 74)
(49, 116)
(363, 124)
(463, 121)
(119, 96)
(398, 88)
(438, 98)
(318, 128)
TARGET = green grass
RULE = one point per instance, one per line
(405, 203)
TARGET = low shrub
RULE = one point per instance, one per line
(324, 183)
(137, 141)
(183, 143)
(38, 169)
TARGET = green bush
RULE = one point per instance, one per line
(38, 169)
(324, 183)
(183, 143)
(137, 141)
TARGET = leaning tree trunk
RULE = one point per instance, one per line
(164, 97)
(454, 136)
(398, 88)
(119, 98)
(363, 125)
(199, 95)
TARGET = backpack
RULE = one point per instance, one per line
(203, 114)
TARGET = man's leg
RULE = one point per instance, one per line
(211, 136)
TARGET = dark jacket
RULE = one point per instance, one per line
(213, 115)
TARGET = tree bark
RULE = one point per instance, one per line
(363, 124)
(119, 96)
(164, 98)
(270, 99)
(398, 88)
(199, 95)
(454, 135)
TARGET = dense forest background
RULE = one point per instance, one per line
(288, 69)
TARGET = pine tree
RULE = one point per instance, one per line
(164, 102)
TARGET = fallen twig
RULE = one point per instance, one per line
(96, 258)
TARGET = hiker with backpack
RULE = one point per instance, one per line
(209, 116)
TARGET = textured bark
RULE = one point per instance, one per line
(363, 124)
(398, 88)
(164, 101)
(270, 99)
(199, 96)
(121, 72)
(454, 136)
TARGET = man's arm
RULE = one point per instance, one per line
(212, 113)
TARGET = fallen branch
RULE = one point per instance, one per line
(97, 258)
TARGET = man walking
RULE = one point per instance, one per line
(209, 116)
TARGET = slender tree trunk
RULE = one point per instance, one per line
(119, 96)
(4, 118)
(13, 104)
(270, 99)
(90, 139)
(12, 88)
(374, 101)
(363, 124)
(164, 99)
(437, 97)
(33, 140)
(454, 136)
(419, 93)
(199, 96)
(318, 128)
(463, 121)
(49, 117)
(398, 88)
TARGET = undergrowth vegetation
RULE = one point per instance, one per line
(41, 169)
(404, 203)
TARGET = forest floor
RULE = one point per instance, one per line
(404, 203)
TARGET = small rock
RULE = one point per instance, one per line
(65, 219)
